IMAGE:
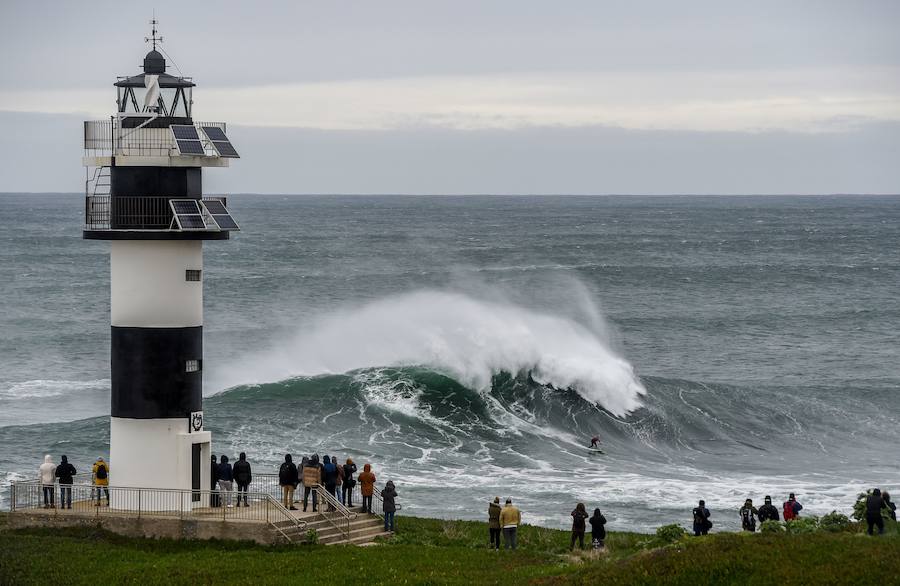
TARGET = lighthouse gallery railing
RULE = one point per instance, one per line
(112, 137)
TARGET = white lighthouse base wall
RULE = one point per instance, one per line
(148, 285)
(156, 454)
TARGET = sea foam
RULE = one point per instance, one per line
(461, 336)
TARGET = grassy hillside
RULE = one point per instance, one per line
(431, 551)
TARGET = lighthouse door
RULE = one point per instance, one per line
(195, 471)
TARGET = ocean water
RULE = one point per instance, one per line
(722, 347)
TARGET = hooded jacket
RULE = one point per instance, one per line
(367, 481)
(388, 494)
(287, 473)
(329, 473)
(225, 472)
(95, 467)
(241, 471)
(510, 516)
(48, 471)
(494, 515)
(65, 471)
(598, 525)
(349, 471)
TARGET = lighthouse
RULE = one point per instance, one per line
(144, 194)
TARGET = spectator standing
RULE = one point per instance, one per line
(748, 516)
(702, 524)
(598, 530)
(510, 517)
(579, 516)
(367, 487)
(494, 509)
(312, 478)
(329, 478)
(768, 512)
(287, 479)
(349, 482)
(100, 474)
(242, 477)
(47, 473)
(874, 504)
(65, 472)
(791, 508)
(339, 481)
(388, 497)
(890, 504)
(226, 481)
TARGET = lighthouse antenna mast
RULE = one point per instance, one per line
(153, 36)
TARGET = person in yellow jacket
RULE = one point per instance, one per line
(100, 477)
(509, 522)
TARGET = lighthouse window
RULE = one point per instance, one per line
(192, 275)
(192, 366)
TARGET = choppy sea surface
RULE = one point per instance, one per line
(722, 347)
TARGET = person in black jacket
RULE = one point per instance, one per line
(349, 482)
(388, 498)
(242, 477)
(598, 529)
(874, 504)
(226, 481)
(214, 500)
(768, 512)
(702, 524)
(579, 515)
(288, 478)
(65, 472)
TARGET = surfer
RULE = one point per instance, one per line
(595, 441)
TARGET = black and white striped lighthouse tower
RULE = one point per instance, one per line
(144, 193)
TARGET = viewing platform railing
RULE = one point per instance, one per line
(99, 501)
(101, 212)
(103, 138)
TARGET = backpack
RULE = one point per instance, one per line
(699, 518)
(789, 514)
(101, 472)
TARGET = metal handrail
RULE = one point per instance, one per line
(335, 506)
(157, 502)
(132, 213)
(109, 137)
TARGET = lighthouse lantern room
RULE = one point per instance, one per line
(144, 193)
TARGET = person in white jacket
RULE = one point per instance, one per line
(48, 478)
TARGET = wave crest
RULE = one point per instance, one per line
(466, 338)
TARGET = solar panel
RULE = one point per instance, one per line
(191, 222)
(220, 142)
(190, 147)
(220, 215)
(225, 149)
(188, 139)
(185, 206)
(185, 132)
(215, 206)
(225, 222)
(215, 133)
(188, 215)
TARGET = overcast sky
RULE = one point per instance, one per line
(480, 97)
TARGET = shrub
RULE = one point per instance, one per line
(312, 536)
(670, 533)
(802, 525)
(834, 522)
(771, 527)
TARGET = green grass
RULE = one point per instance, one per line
(432, 551)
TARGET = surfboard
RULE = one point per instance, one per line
(596, 450)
